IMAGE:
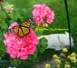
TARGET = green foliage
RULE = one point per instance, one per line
(41, 46)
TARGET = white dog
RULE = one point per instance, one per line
(58, 41)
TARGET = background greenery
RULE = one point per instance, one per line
(59, 8)
(60, 15)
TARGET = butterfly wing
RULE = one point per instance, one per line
(25, 27)
(15, 29)
(25, 30)
(22, 29)
(26, 24)
(20, 32)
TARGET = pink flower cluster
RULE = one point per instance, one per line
(42, 13)
(20, 47)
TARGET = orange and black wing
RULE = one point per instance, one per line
(21, 31)
(25, 30)
(15, 29)
(26, 24)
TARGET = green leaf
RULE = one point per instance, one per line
(39, 31)
(15, 62)
(4, 25)
(2, 50)
(33, 57)
(42, 46)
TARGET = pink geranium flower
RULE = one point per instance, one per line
(20, 47)
(42, 13)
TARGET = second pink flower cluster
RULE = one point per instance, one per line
(42, 13)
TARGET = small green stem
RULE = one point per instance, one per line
(56, 29)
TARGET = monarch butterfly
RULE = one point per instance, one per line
(22, 29)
